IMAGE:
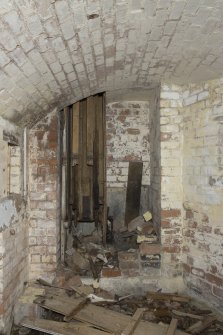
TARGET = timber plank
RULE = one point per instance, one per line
(199, 326)
(100, 129)
(90, 128)
(172, 327)
(99, 120)
(75, 155)
(129, 329)
(80, 162)
(189, 315)
(76, 309)
(104, 213)
(75, 132)
(60, 328)
(167, 296)
(133, 192)
(59, 303)
(87, 188)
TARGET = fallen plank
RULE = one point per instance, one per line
(76, 309)
(133, 191)
(189, 315)
(194, 326)
(129, 329)
(83, 290)
(60, 304)
(172, 327)
(60, 328)
(43, 282)
(102, 318)
(116, 322)
(167, 296)
(75, 132)
(199, 326)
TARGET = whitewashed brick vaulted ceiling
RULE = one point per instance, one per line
(54, 52)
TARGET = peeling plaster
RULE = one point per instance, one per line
(8, 212)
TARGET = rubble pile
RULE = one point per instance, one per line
(87, 258)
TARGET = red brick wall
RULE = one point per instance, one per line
(43, 174)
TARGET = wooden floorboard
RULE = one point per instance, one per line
(60, 328)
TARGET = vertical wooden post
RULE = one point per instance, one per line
(68, 146)
(60, 182)
(75, 157)
(104, 170)
(90, 128)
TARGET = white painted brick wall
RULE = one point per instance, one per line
(13, 232)
(15, 169)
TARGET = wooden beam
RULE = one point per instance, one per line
(76, 309)
(199, 326)
(90, 128)
(133, 192)
(167, 296)
(101, 133)
(60, 328)
(86, 172)
(189, 315)
(68, 114)
(172, 327)
(129, 329)
(104, 214)
(75, 133)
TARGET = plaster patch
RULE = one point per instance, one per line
(8, 213)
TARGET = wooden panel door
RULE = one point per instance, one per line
(86, 163)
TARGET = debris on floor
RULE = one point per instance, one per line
(81, 309)
(69, 307)
(87, 258)
(90, 258)
(139, 230)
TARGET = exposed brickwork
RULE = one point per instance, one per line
(14, 262)
(129, 263)
(15, 170)
(144, 262)
(56, 52)
(155, 159)
(202, 184)
(148, 249)
(43, 172)
(183, 225)
(128, 130)
(127, 126)
(171, 138)
(13, 228)
(109, 273)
